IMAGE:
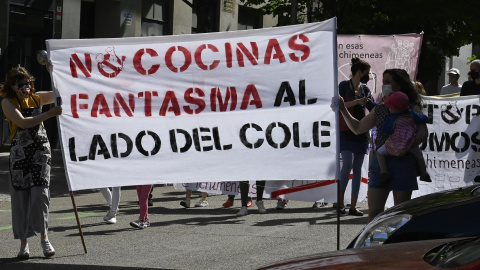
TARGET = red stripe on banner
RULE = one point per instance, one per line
(302, 187)
(276, 193)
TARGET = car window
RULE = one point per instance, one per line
(455, 254)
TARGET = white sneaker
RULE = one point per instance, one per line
(48, 249)
(201, 203)
(185, 203)
(24, 252)
(261, 208)
(243, 211)
(110, 217)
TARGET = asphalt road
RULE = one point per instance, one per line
(196, 238)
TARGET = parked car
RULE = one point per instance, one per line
(457, 253)
(445, 214)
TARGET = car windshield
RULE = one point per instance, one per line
(455, 254)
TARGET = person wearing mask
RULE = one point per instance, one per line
(30, 157)
(402, 168)
(472, 87)
(353, 147)
(452, 86)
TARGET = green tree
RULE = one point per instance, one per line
(447, 25)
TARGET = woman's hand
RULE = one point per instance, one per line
(362, 101)
(341, 105)
(57, 110)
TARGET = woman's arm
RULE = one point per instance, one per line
(27, 122)
(357, 127)
(46, 97)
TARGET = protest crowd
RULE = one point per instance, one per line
(387, 128)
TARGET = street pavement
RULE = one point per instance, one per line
(196, 238)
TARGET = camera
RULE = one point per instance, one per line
(42, 57)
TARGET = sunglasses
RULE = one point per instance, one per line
(22, 85)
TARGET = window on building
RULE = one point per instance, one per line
(155, 19)
(249, 18)
(205, 15)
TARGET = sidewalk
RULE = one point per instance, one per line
(196, 238)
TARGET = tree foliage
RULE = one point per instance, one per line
(447, 25)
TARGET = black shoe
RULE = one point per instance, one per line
(425, 178)
(355, 212)
(342, 210)
(150, 203)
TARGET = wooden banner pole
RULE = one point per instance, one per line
(78, 221)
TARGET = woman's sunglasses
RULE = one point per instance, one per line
(22, 85)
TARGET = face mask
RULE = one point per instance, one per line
(452, 79)
(474, 74)
(364, 79)
(386, 90)
(24, 91)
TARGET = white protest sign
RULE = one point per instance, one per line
(452, 149)
(230, 106)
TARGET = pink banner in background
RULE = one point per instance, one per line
(381, 52)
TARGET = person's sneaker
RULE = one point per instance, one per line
(48, 249)
(319, 204)
(261, 208)
(110, 217)
(228, 204)
(138, 224)
(150, 202)
(342, 210)
(201, 203)
(425, 178)
(146, 223)
(185, 203)
(249, 203)
(24, 252)
(243, 211)
(281, 204)
(355, 212)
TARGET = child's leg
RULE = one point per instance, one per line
(420, 161)
(382, 163)
(422, 167)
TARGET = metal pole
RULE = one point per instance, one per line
(338, 214)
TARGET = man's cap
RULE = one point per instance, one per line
(453, 71)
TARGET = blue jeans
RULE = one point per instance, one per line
(351, 160)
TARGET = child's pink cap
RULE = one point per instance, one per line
(397, 101)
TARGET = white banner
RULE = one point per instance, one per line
(307, 191)
(230, 106)
(452, 149)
